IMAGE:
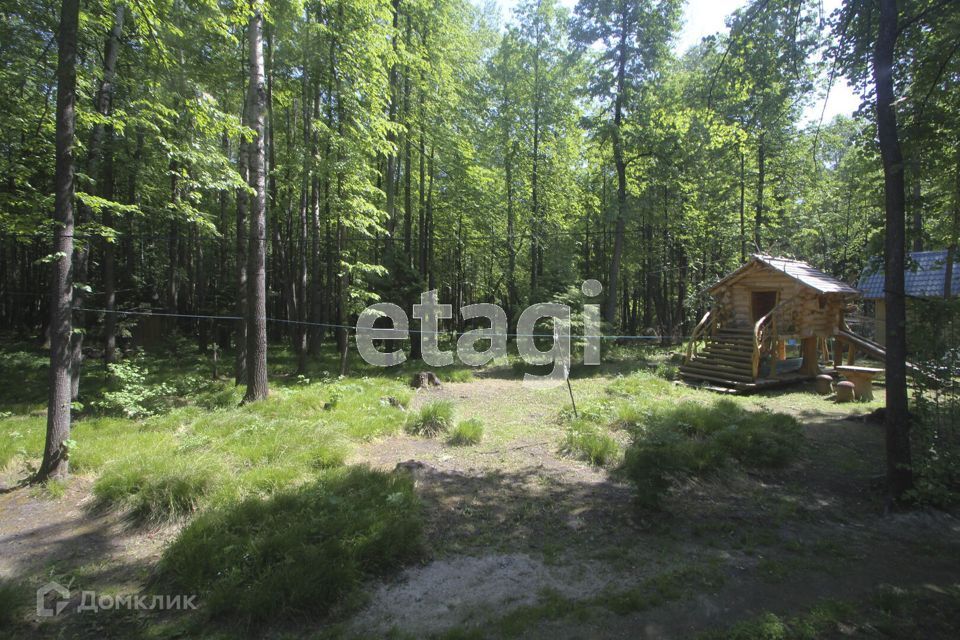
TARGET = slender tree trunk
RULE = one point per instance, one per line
(431, 271)
(743, 187)
(257, 388)
(243, 200)
(535, 222)
(916, 203)
(407, 159)
(109, 248)
(761, 182)
(954, 233)
(390, 170)
(610, 312)
(899, 471)
(102, 105)
(513, 298)
(302, 263)
(55, 462)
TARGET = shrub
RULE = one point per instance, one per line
(432, 419)
(131, 395)
(695, 440)
(587, 442)
(297, 552)
(667, 371)
(467, 432)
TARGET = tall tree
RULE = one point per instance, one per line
(899, 470)
(633, 38)
(257, 386)
(55, 462)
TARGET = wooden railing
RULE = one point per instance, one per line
(766, 334)
(704, 328)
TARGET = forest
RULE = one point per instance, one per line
(199, 198)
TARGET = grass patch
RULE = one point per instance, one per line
(298, 552)
(171, 465)
(49, 490)
(467, 432)
(588, 442)
(433, 419)
(694, 440)
(13, 598)
(157, 486)
(675, 584)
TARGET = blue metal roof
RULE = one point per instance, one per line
(923, 278)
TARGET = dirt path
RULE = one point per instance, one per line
(61, 539)
(512, 524)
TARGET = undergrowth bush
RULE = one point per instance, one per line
(131, 395)
(694, 440)
(298, 552)
(433, 419)
(935, 429)
(467, 432)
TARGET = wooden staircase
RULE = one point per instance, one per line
(725, 360)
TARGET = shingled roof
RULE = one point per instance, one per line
(797, 270)
(923, 277)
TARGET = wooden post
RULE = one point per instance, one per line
(810, 365)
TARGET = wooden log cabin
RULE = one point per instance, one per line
(757, 310)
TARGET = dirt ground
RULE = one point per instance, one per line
(513, 526)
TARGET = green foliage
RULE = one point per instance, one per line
(133, 396)
(432, 419)
(467, 432)
(299, 552)
(935, 432)
(667, 371)
(695, 440)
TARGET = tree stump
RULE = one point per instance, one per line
(425, 379)
(845, 391)
(824, 384)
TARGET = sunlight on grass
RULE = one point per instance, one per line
(433, 419)
(467, 432)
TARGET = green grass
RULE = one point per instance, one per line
(200, 448)
(433, 419)
(299, 552)
(675, 584)
(191, 458)
(13, 599)
(588, 442)
(919, 612)
(467, 432)
(691, 439)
